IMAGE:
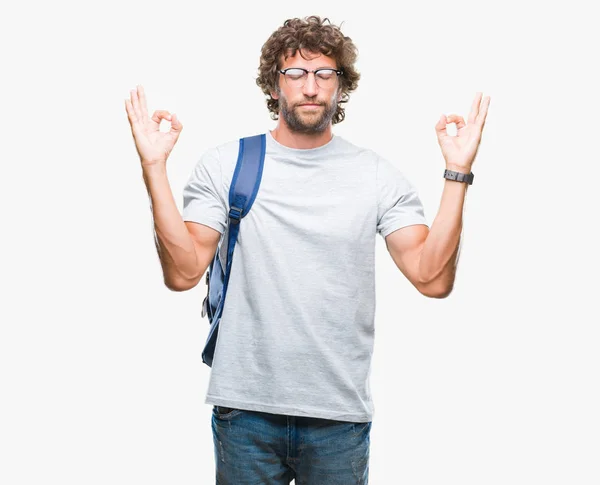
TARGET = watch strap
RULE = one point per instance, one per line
(459, 176)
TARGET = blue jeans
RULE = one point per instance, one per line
(256, 448)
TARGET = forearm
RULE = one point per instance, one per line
(440, 253)
(173, 241)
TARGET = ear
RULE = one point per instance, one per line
(274, 95)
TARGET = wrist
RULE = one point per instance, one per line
(154, 169)
(458, 168)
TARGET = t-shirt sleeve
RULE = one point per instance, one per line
(203, 197)
(398, 203)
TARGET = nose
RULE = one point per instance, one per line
(310, 87)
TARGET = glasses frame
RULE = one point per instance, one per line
(339, 72)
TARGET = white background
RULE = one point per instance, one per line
(101, 377)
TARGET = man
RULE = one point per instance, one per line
(290, 375)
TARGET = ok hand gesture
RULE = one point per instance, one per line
(153, 146)
(459, 151)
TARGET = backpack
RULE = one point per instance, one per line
(242, 192)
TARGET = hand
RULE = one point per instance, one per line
(459, 151)
(153, 146)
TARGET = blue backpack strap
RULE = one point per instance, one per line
(243, 190)
(242, 193)
(247, 176)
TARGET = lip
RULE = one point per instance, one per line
(312, 105)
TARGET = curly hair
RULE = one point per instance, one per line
(313, 35)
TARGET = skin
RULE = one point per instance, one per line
(427, 257)
(185, 249)
(303, 127)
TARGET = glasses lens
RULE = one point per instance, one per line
(295, 77)
(326, 77)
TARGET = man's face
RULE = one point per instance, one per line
(309, 108)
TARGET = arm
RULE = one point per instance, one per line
(185, 249)
(429, 257)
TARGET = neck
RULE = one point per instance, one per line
(293, 139)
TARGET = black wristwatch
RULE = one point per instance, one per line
(459, 176)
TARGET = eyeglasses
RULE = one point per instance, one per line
(296, 77)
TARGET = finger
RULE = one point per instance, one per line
(459, 120)
(143, 105)
(475, 108)
(131, 116)
(136, 105)
(440, 127)
(483, 111)
(160, 114)
(176, 126)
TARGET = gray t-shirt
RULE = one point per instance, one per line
(296, 334)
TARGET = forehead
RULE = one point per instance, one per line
(307, 59)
